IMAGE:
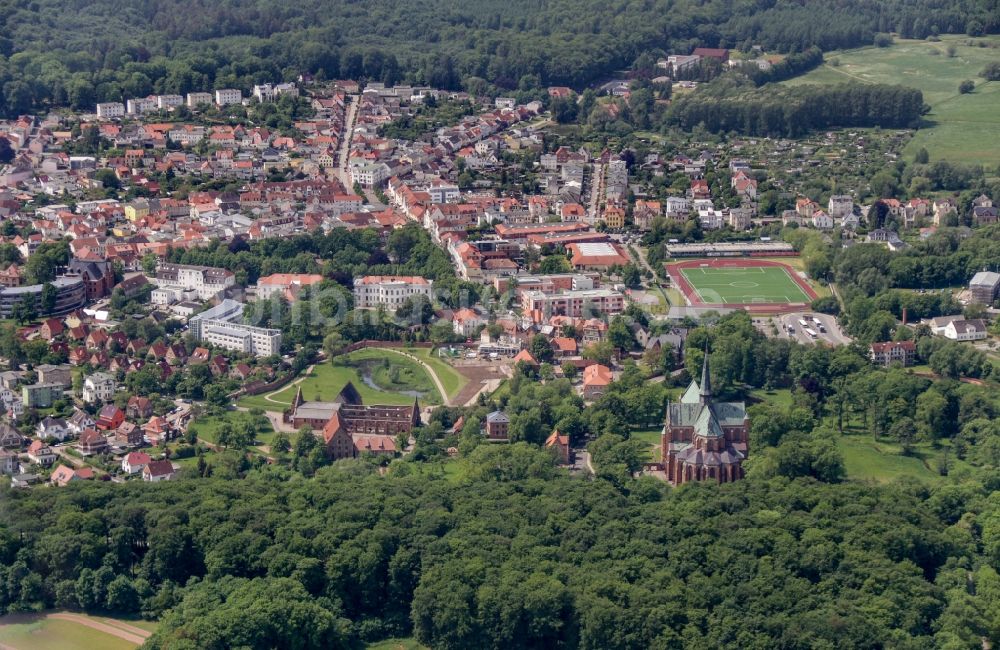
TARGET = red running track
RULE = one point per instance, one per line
(689, 292)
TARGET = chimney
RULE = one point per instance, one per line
(904, 315)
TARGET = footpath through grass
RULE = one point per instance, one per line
(452, 380)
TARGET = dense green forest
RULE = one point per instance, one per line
(76, 53)
(524, 558)
(512, 552)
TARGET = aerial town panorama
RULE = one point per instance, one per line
(583, 325)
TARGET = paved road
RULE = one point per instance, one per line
(596, 193)
(345, 146)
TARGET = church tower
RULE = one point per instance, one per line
(705, 394)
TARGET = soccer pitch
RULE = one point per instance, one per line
(744, 285)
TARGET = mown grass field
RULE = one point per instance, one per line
(20, 632)
(962, 128)
(883, 461)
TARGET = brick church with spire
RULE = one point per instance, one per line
(704, 439)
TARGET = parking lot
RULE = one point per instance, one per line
(790, 326)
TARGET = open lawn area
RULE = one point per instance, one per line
(652, 438)
(70, 632)
(739, 285)
(780, 398)
(383, 385)
(962, 128)
(883, 461)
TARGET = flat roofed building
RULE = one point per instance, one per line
(731, 249)
(227, 96)
(197, 99)
(597, 256)
(109, 110)
(221, 325)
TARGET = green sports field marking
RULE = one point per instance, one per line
(731, 285)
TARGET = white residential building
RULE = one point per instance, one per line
(158, 470)
(465, 322)
(442, 192)
(227, 96)
(390, 291)
(195, 99)
(966, 330)
(51, 427)
(99, 387)
(223, 326)
(678, 208)
(267, 92)
(371, 175)
(134, 462)
(166, 102)
(822, 220)
(109, 110)
(207, 281)
(140, 105)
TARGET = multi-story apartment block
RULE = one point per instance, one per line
(109, 110)
(165, 102)
(140, 105)
(584, 303)
(222, 326)
(195, 99)
(390, 291)
(227, 96)
(442, 192)
(371, 175)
